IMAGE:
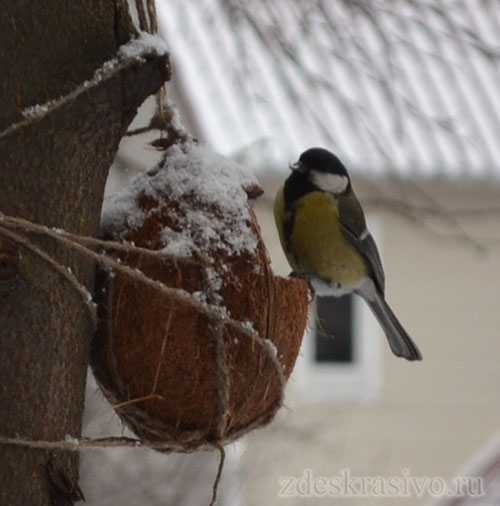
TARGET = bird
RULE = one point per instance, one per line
(323, 232)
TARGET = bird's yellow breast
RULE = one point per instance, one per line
(317, 244)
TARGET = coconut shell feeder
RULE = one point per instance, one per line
(175, 374)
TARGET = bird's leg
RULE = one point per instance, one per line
(307, 277)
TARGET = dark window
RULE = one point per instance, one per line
(333, 339)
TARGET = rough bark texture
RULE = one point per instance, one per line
(54, 172)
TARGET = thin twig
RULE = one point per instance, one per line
(106, 71)
(74, 444)
(215, 487)
(153, 28)
(139, 131)
(429, 211)
(162, 351)
(153, 18)
(107, 245)
(422, 216)
(450, 219)
(56, 267)
(124, 404)
(141, 14)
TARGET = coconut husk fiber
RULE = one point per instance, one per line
(181, 376)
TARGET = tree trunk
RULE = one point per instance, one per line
(53, 172)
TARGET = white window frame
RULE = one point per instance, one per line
(358, 381)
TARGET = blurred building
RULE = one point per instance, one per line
(370, 411)
(407, 94)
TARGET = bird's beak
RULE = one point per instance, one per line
(297, 166)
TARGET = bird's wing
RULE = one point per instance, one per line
(353, 223)
(284, 219)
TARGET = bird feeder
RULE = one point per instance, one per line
(204, 365)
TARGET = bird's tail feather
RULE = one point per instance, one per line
(400, 342)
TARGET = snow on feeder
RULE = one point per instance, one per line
(178, 374)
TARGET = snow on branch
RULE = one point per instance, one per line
(136, 51)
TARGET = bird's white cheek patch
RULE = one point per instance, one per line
(332, 183)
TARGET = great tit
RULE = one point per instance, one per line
(323, 232)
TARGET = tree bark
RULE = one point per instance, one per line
(53, 172)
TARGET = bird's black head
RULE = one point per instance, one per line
(323, 170)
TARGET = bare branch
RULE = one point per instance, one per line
(106, 245)
(108, 70)
(218, 476)
(65, 273)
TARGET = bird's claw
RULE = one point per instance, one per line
(307, 277)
